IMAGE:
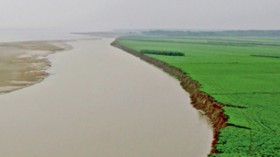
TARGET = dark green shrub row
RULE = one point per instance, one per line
(165, 53)
(266, 56)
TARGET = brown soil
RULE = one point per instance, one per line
(200, 100)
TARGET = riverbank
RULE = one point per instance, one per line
(25, 63)
(200, 100)
(239, 73)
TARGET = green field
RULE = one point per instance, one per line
(240, 72)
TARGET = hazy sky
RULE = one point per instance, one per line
(91, 15)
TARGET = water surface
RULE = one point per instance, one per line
(102, 102)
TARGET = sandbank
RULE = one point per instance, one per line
(25, 63)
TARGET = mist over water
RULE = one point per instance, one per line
(96, 15)
(14, 35)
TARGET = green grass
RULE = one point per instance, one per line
(234, 72)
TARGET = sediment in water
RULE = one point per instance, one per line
(200, 100)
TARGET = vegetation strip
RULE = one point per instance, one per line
(265, 56)
(200, 100)
(164, 53)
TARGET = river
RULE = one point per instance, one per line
(100, 101)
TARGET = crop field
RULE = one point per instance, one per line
(241, 72)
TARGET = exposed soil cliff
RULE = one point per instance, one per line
(200, 100)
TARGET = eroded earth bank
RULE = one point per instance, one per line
(200, 100)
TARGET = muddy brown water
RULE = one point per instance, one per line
(102, 102)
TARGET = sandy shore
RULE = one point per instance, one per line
(24, 63)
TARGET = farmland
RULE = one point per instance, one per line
(242, 73)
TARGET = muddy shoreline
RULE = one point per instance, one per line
(200, 100)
